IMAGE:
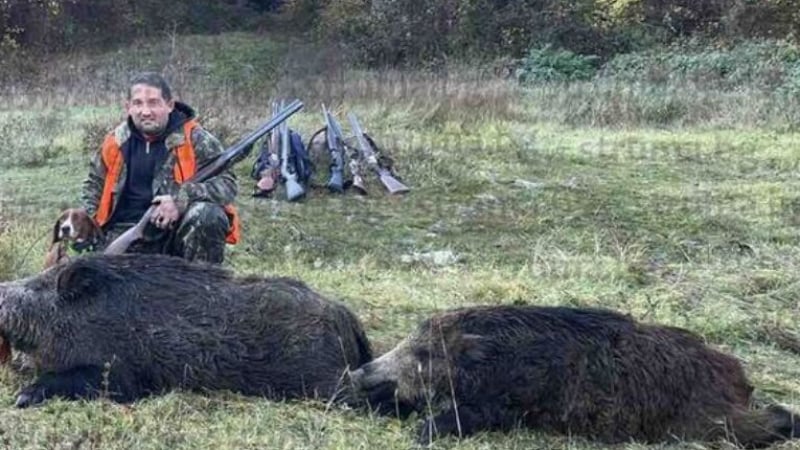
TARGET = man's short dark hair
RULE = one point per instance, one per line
(152, 79)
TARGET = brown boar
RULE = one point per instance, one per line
(135, 325)
(587, 372)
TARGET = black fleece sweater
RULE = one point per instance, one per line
(144, 156)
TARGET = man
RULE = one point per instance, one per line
(146, 160)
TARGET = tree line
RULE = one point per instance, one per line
(392, 32)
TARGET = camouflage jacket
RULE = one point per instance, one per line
(221, 189)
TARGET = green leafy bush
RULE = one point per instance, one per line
(548, 64)
(756, 63)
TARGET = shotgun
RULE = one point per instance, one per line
(392, 184)
(231, 156)
(294, 190)
(335, 143)
(268, 161)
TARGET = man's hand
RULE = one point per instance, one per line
(166, 212)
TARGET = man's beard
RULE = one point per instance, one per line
(151, 128)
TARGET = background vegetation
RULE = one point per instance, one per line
(418, 32)
(636, 155)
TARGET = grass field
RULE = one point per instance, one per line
(694, 225)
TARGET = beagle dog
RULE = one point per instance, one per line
(74, 231)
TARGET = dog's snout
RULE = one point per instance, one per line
(66, 231)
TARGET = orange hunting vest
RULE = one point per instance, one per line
(183, 170)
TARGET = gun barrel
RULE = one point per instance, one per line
(241, 149)
(366, 150)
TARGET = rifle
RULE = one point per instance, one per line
(294, 190)
(355, 169)
(334, 140)
(268, 161)
(392, 184)
(231, 156)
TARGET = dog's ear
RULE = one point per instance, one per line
(57, 227)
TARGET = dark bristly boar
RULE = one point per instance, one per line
(587, 372)
(128, 326)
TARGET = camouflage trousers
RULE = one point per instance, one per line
(198, 236)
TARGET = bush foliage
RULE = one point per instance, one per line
(383, 32)
(547, 64)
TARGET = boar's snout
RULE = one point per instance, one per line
(379, 392)
(373, 386)
(358, 377)
(367, 376)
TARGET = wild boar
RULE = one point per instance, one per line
(588, 372)
(131, 325)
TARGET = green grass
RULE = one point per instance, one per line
(694, 226)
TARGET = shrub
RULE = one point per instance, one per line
(30, 141)
(548, 64)
(756, 63)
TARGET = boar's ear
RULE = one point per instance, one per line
(472, 349)
(85, 277)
